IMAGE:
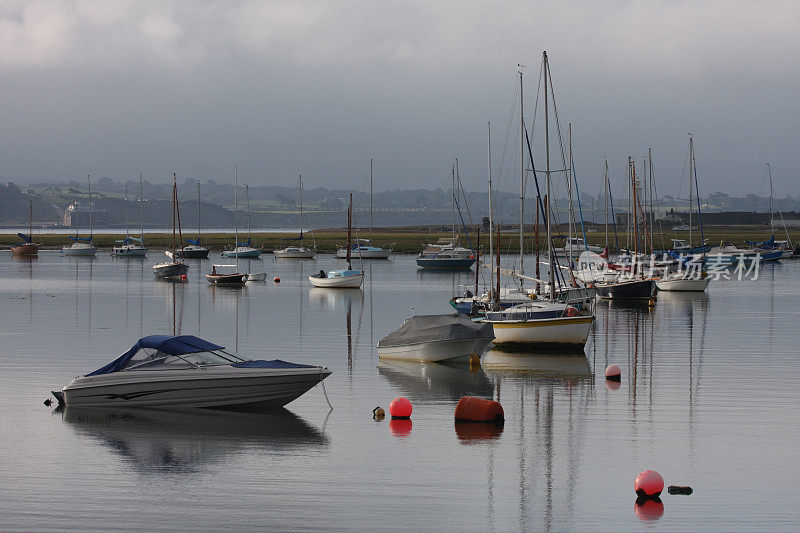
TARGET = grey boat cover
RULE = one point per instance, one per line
(433, 328)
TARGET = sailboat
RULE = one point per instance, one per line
(348, 278)
(131, 246)
(172, 269)
(542, 322)
(82, 246)
(243, 249)
(297, 252)
(690, 279)
(194, 250)
(446, 254)
(363, 248)
(772, 250)
(27, 246)
(229, 274)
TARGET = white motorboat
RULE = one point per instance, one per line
(574, 247)
(363, 249)
(186, 371)
(342, 278)
(256, 276)
(433, 338)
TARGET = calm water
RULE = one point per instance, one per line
(709, 398)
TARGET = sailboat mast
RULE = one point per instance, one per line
(127, 233)
(141, 209)
(349, 234)
(521, 176)
(771, 196)
(174, 208)
(491, 214)
(453, 200)
(605, 198)
(691, 180)
(89, 178)
(370, 199)
(569, 188)
(236, 212)
(551, 274)
(30, 221)
(247, 194)
(198, 211)
(652, 198)
(301, 207)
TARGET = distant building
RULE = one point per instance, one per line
(77, 215)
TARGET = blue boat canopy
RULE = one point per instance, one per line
(196, 243)
(168, 344)
(84, 239)
(25, 238)
(246, 243)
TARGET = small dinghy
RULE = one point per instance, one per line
(432, 338)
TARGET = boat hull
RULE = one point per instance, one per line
(82, 250)
(569, 332)
(243, 252)
(445, 264)
(345, 282)
(260, 276)
(627, 290)
(129, 251)
(294, 254)
(203, 387)
(432, 352)
(170, 270)
(226, 279)
(189, 253)
(684, 285)
(27, 248)
(364, 254)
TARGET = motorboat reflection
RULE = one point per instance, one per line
(435, 381)
(183, 440)
(334, 300)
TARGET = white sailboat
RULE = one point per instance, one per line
(297, 252)
(548, 322)
(82, 247)
(341, 278)
(244, 249)
(172, 269)
(363, 248)
(131, 246)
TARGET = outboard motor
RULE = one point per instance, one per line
(467, 294)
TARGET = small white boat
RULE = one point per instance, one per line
(337, 279)
(294, 252)
(129, 248)
(186, 371)
(683, 281)
(260, 276)
(433, 338)
(170, 269)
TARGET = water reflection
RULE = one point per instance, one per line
(334, 299)
(477, 432)
(544, 365)
(180, 442)
(435, 381)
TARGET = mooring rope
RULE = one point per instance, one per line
(325, 392)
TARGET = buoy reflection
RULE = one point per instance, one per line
(649, 510)
(400, 427)
(474, 432)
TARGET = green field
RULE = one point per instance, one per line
(407, 240)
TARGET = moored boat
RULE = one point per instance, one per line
(226, 278)
(432, 338)
(184, 370)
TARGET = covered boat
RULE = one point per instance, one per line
(186, 371)
(431, 338)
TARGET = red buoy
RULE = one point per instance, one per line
(400, 408)
(648, 484)
(184, 276)
(471, 409)
(613, 373)
(276, 279)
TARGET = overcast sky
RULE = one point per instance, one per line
(318, 87)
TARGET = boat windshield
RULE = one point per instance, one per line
(152, 359)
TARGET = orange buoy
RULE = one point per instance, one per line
(400, 427)
(276, 279)
(400, 408)
(571, 311)
(471, 409)
(648, 484)
(613, 373)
